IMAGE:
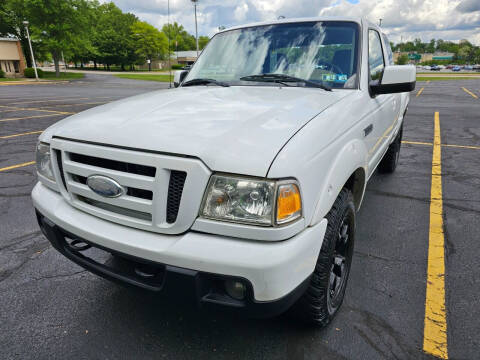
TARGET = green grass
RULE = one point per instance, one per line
(441, 78)
(50, 75)
(149, 77)
(10, 79)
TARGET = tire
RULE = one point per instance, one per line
(390, 159)
(324, 296)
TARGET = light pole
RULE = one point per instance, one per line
(31, 50)
(196, 27)
(380, 22)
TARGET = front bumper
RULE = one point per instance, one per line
(273, 271)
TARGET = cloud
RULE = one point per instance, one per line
(407, 19)
(468, 6)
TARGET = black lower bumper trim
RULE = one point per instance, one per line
(208, 289)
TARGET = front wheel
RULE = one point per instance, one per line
(390, 160)
(326, 291)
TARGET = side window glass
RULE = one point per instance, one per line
(375, 55)
(388, 48)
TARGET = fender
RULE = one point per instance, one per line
(352, 156)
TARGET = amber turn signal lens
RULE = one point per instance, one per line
(289, 204)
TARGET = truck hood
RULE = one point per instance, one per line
(237, 129)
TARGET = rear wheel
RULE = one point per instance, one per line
(326, 291)
(390, 160)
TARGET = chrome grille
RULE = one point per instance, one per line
(162, 193)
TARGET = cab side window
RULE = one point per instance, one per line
(376, 63)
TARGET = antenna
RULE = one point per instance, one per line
(169, 56)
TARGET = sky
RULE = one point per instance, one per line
(401, 19)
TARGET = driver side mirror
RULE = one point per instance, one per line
(178, 77)
(395, 79)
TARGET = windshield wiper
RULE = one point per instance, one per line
(204, 82)
(282, 78)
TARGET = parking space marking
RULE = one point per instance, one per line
(447, 145)
(420, 91)
(56, 100)
(416, 143)
(435, 326)
(92, 103)
(32, 109)
(462, 146)
(17, 166)
(22, 134)
(470, 93)
(31, 117)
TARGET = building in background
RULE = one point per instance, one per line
(12, 61)
(185, 57)
(416, 58)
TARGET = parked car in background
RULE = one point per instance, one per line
(468, 67)
(241, 185)
(435, 68)
(426, 67)
(476, 67)
(456, 68)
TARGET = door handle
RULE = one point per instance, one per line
(368, 130)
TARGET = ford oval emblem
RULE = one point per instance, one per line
(104, 186)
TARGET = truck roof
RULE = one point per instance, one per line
(355, 19)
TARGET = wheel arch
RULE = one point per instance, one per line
(349, 169)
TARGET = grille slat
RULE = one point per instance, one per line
(114, 164)
(175, 190)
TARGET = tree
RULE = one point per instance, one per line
(56, 23)
(402, 60)
(180, 39)
(12, 15)
(203, 41)
(113, 37)
(150, 43)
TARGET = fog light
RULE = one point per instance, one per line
(235, 289)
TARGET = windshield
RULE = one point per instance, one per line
(323, 52)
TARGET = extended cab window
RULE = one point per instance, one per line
(376, 63)
(323, 52)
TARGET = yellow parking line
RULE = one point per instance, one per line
(435, 329)
(17, 166)
(469, 92)
(22, 134)
(30, 117)
(91, 103)
(420, 91)
(447, 145)
(462, 146)
(416, 143)
(31, 109)
(56, 100)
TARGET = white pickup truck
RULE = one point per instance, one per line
(242, 183)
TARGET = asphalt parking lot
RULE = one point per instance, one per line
(51, 309)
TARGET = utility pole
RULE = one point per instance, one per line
(196, 27)
(31, 50)
(380, 22)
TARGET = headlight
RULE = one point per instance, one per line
(244, 200)
(43, 161)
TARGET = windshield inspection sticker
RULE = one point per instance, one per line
(338, 78)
